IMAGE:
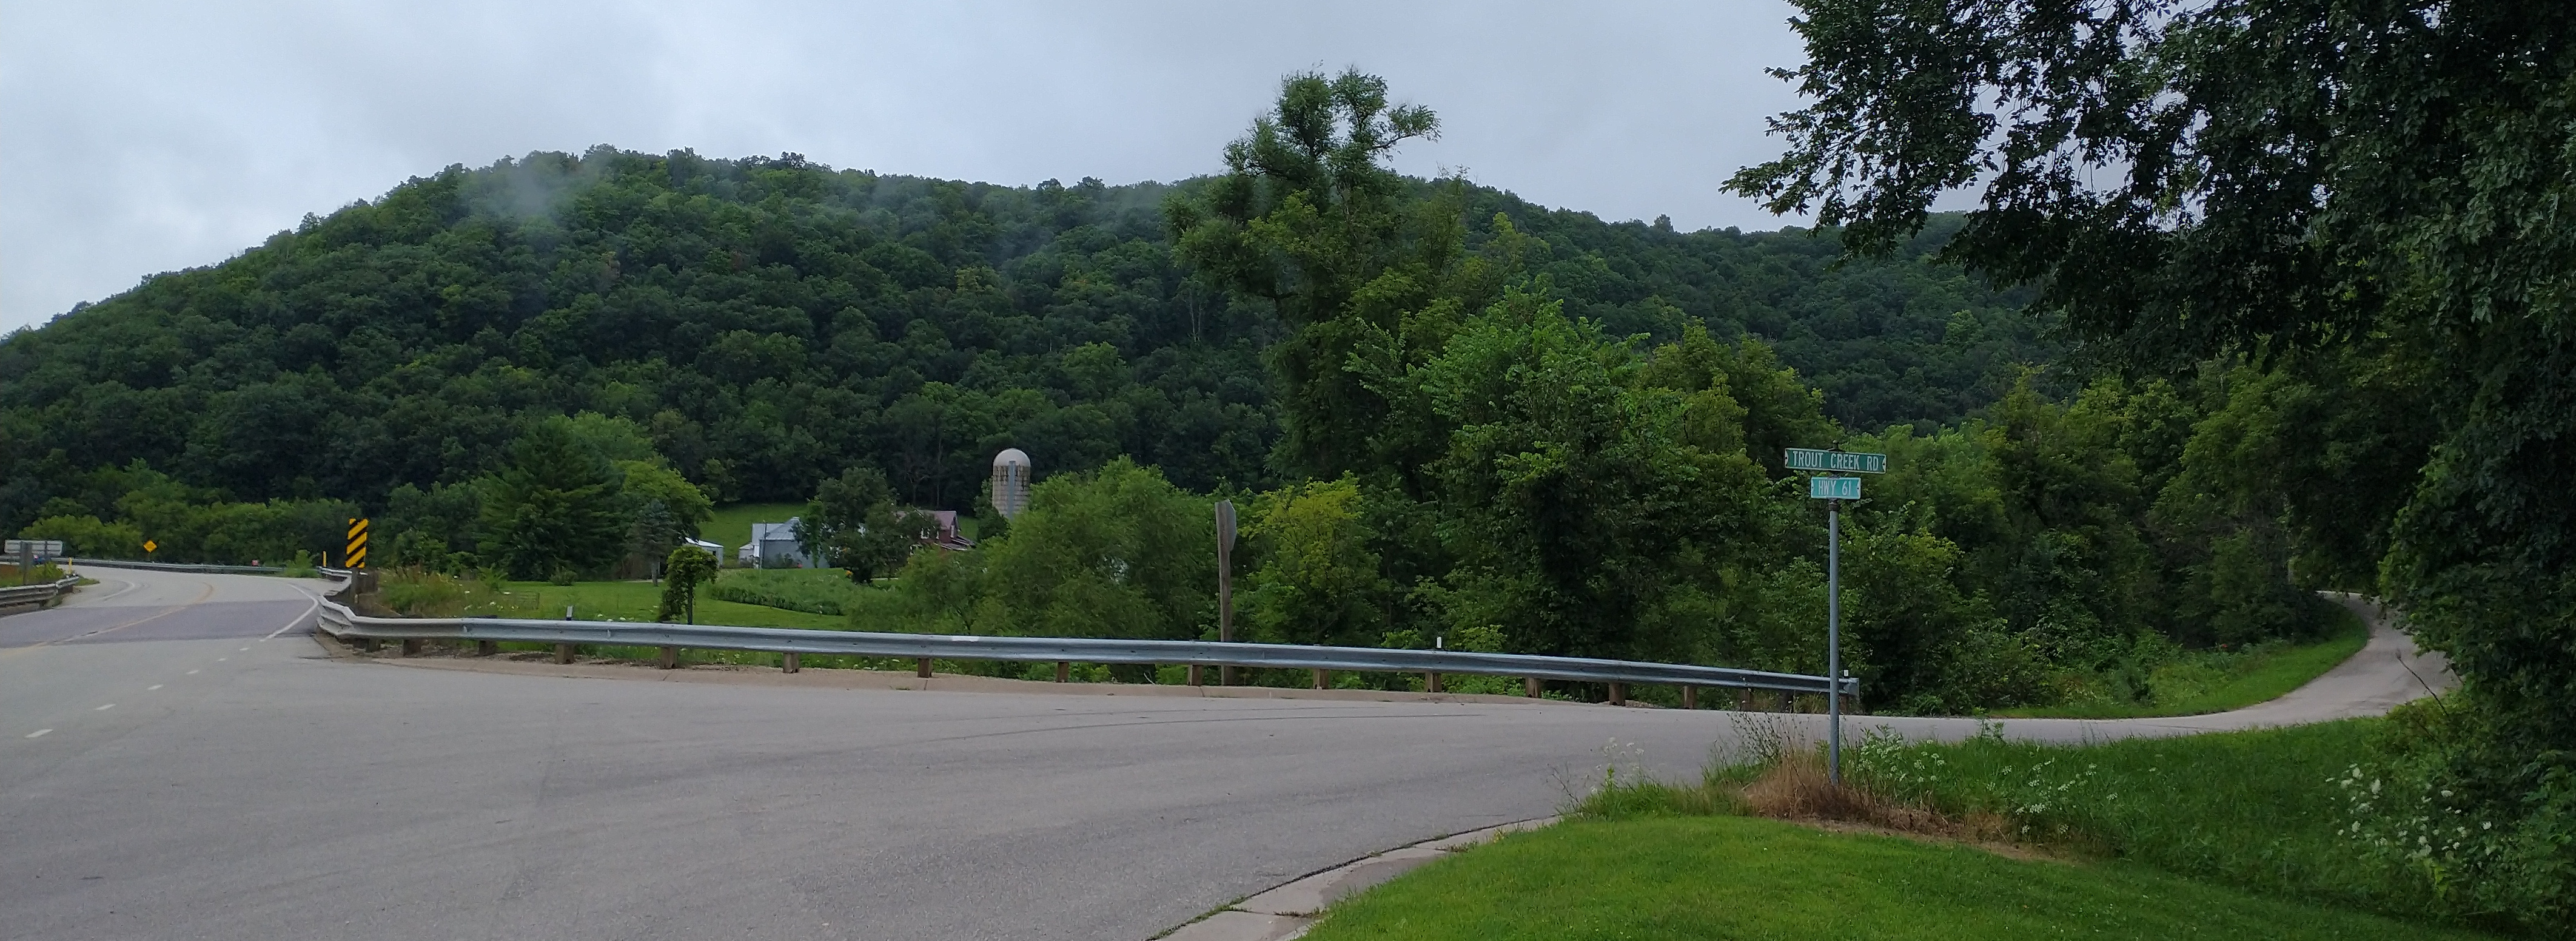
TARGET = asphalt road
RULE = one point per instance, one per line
(177, 760)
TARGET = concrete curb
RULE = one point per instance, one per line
(1287, 911)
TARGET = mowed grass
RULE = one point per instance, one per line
(637, 601)
(1698, 878)
(2221, 682)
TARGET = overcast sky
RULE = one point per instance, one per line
(140, 137)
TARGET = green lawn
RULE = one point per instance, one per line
(1700, 878)
(2206, 682)
(731, 526)
(636, 601)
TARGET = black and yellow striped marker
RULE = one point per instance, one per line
(357, 555)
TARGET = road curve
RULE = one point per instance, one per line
(200, 775)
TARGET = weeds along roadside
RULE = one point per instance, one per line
(2282, 812)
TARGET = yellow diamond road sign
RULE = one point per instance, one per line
(149, 545)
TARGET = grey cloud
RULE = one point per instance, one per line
(144, 137)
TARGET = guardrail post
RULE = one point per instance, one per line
(789, 663)
(411, 647)
(1788, 701)
(1743, 700)
(1063, 671)
(1618, 694)
(1196, 679)
(369, 644)
(1319, 679)
(1434, 683)
(670, 658)
(486, 648)
(921, 668)
(563, 653)
(1530, 686)
(1690, 697)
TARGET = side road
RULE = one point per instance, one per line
(2388, 671)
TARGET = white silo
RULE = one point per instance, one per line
(1010, 482)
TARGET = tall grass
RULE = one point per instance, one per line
(813, 591)
(2265, 810)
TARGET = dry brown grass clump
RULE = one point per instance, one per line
(1795, 787)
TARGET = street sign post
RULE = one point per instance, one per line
(1225, 583)
(1834, 490)
(29, 550)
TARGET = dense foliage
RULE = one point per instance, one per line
(770, 323)
(1453, 418)
(1483, 468)
(2374, 195)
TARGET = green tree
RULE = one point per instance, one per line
(1571, 495)
(1318, 580)
(2184, 180)
(683, 571)
(853, 522)
(87, 535)
(1308, 217)
(555, 508)
(1117, 552)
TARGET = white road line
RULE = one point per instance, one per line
(309, 611)
(221, 659)
(191, 673)
(152, 687)
(104, 708)
(38, 732)
(245, 650)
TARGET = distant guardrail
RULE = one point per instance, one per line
(181, 567)
(341, 622)
(42, 593)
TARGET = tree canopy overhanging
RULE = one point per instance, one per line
(2380, 190)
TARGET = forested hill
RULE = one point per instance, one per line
(772, 321)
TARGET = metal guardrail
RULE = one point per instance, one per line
(181, 567)
(38, 594)
(339, 621)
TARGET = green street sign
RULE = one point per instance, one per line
(1833, 488)
(1840, 462)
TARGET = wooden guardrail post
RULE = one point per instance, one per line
(486, 648)
(1433, 683)
(670, 658)
(1530, 685)
(1063, 671)
(921, 668)
(1319, 679)
(1618, 694)
(1196, 676)
(1690, 697)
(791, 662)
(563, 653)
